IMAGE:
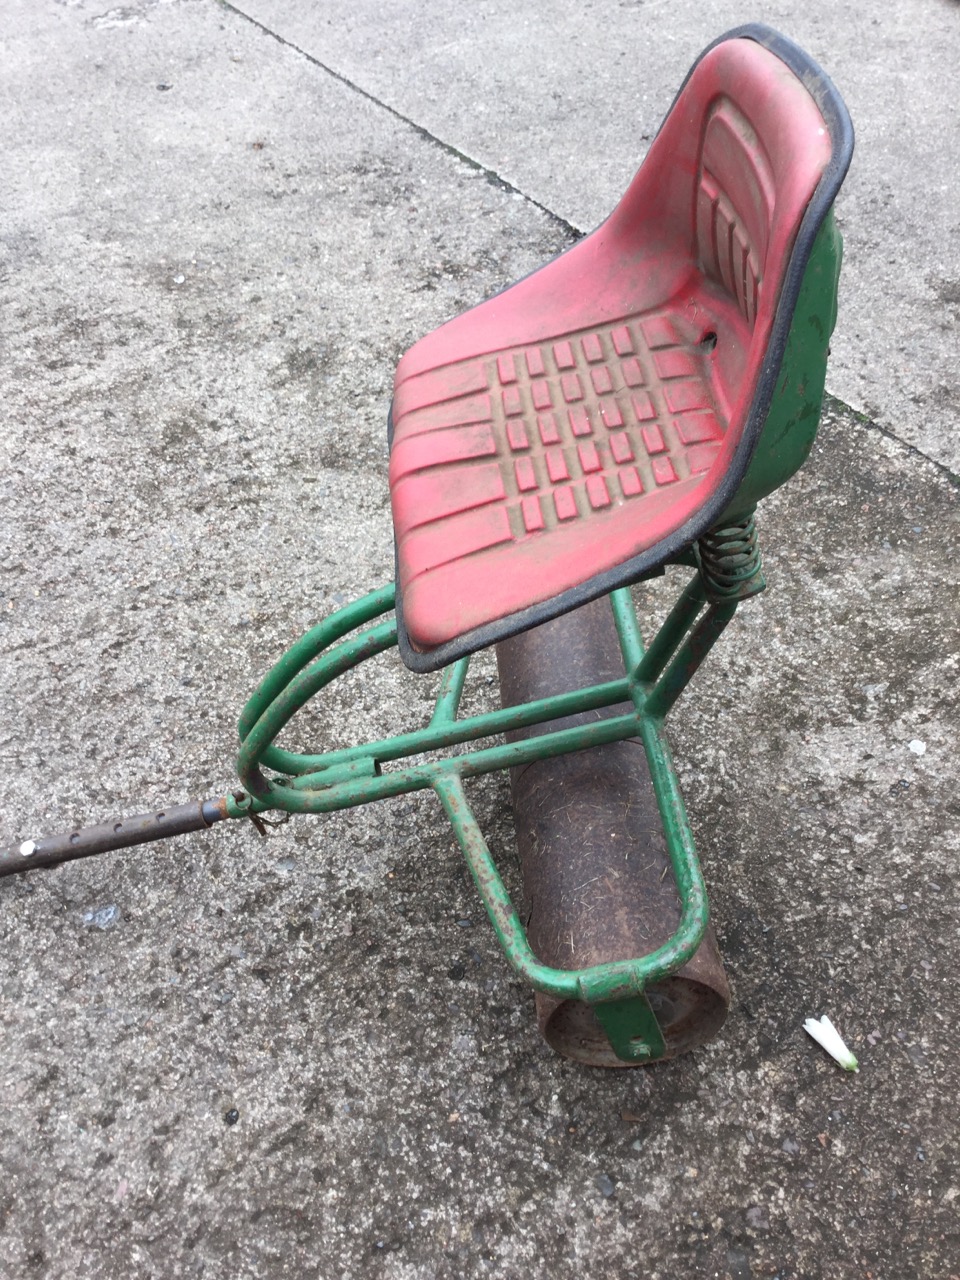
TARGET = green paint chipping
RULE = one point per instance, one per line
(794, 414)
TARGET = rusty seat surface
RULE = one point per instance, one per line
(574, 431)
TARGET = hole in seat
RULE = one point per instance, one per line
(709, 340)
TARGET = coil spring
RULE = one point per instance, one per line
(729, 559)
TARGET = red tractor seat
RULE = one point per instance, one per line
(578, 429)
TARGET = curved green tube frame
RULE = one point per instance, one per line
(322, 783)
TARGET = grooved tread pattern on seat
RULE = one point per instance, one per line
(732, 232)
(506, 448)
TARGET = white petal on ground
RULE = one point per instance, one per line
(828, 1037)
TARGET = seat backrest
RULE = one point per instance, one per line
(736, 199)
(755, 145)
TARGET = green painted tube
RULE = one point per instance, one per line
(598, 881)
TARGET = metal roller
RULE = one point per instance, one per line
(598, 885)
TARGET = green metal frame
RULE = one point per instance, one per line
(655, 677)
(728, 570)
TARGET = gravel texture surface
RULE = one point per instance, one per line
(303, 1055)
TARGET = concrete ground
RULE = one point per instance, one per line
(304, 1056)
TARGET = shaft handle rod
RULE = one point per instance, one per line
(121, 833)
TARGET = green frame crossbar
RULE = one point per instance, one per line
(654, 678)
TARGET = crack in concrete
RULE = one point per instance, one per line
(489, 174)
(493, 177)
(835, 404)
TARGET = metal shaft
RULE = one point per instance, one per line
(598, 884)
(84, 842)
